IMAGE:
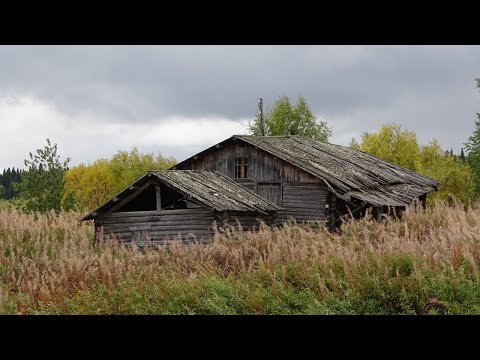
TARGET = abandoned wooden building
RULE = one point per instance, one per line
(246, 178)
(311, 180)
(164, 205)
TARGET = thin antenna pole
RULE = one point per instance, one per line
(262, 121)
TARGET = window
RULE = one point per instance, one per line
(241, 168)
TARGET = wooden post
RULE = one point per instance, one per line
(158, 197)
(262, 121)
(332, 211)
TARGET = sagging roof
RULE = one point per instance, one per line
(344, 169)
(210, 189)
(392, 195)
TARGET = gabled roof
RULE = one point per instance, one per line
(210, 189)
(347, 171)
(344, 168)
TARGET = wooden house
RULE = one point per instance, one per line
(164, 205)
(312, 180)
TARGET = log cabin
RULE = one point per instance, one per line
(313, 181)
(166, 205)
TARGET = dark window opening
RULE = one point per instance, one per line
(241, 168)
(145, 201)
(180, 204)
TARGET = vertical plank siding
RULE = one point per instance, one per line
(301, 193)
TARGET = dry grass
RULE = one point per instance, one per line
(426, 264)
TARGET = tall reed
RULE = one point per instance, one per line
(427, 263)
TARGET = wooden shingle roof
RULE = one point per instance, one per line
(346, 171)
(345, 168)
(210, 189)
(214, 190)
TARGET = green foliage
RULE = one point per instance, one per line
(455, 176)
(401, 147)
(473, 148)
(89, 186)
(127, 167)
(354, 144)
(5, 204)
(8, 180)
(42, 185)
(285, 118)
(393, 144)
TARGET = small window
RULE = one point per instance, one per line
(241, 168)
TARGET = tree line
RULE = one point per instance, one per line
(8, 180)
(49, 184)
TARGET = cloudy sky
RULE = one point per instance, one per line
(177, 100)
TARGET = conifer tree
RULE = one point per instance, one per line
(473, 148)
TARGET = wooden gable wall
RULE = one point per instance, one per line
(302, 194)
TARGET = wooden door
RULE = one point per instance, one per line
(272, 191)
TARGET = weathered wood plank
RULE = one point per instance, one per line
(158, 197)
(186, 228)
(175, 230)
(163, 212)
(128, 214)
(160, 219)
(157, 225)
(158, 234)
(304, 184)
(304, 201)
(122, 233)
(301, 212)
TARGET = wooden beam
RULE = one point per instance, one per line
(158, 197)
(129, 197)
(332, 212)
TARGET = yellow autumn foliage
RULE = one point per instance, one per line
(92, 185)
(401, 147)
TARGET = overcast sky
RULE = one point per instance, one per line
(178, 100)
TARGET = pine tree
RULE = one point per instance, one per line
(473, 148)
(462, 155)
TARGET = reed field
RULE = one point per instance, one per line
(428, 263)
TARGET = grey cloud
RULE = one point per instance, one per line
(429, 88)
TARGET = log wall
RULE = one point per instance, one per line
(150, 226)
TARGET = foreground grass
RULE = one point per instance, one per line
(427, 264)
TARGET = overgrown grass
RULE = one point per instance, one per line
(426, 264)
